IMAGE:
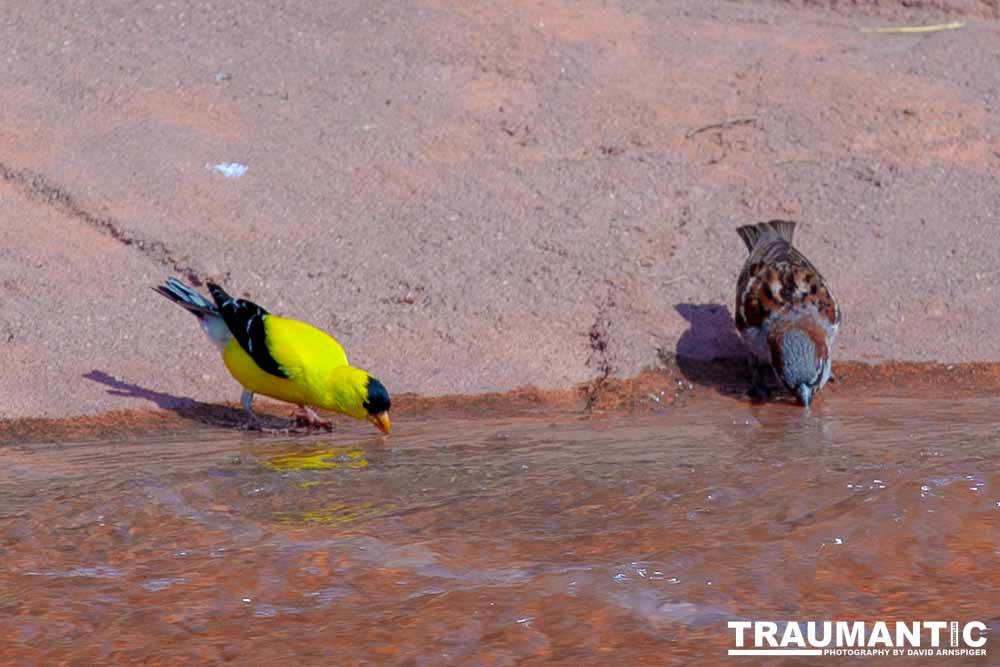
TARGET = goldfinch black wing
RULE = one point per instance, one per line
(245, 320)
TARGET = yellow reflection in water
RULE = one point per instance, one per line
(319, 459)
(328, 457)
(337, 513)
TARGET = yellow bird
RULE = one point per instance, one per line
(284, 359)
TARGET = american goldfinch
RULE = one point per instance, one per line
(283, 358)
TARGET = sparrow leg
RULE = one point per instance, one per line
(306, 417)
(759, 390)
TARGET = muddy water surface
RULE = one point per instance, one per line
(620, 540)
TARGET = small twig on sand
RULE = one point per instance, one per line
(916, 29)
(740, 120)
(787, 162)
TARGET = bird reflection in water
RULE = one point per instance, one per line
(325, 458)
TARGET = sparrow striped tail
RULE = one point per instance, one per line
(752, 234)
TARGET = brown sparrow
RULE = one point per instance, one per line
(785, 312)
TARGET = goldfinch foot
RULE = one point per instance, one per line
(255, 423)
(307, 418)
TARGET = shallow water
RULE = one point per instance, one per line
(497, 541)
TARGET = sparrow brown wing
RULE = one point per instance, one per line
(777, 276)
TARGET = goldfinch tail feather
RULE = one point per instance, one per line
(186, 297)
(195, 303)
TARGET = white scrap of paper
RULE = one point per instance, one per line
(230, 169)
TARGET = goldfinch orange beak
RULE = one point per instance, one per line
(381, 421)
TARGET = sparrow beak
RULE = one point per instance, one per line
(381, 421)
(804, 394)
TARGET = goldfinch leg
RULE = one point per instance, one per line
(246, 400)
(255, 423)
(306, 417)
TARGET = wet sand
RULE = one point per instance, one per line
(676, 385)
(478, 198)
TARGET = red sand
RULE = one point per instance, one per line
(478, 198)
(655, 391)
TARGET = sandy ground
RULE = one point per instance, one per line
(478, 197)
